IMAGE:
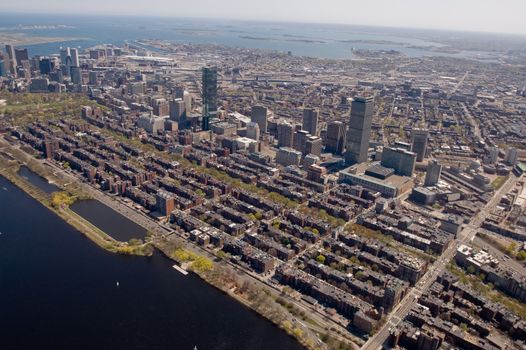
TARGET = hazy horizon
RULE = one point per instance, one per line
(469, 15)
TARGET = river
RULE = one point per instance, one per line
(59, 291)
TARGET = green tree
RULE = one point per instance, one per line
(321, 259)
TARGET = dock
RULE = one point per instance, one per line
(180, 269)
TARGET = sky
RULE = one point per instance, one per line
(505, 16)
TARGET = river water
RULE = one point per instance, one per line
(59, 291)
(108, 220)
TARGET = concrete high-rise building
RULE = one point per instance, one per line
(402, 161)
(10, 49)
(74, 54)
(179, 91)
(65, 55)
(287, 156)
(21, 55)
(209, 94)
(259, 114)
(359, 131)
(187, 98)
(285, 135)
(177, 110)
(511, 156)
(300, 139)
(65, 59)
(12, 58)
(493, 155)
(335, 137)
(310, 121)
(165, 202)
(161, 107)
(93, 78)
(419, 143)
(313, 145)
(76, 75)
(253, 131)
(434, 170)
(3, 69)
(46, 66)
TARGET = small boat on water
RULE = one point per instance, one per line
(117, 283)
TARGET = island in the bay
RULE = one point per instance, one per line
(374, 201)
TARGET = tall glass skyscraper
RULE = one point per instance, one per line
(209, 95)
(359, 131)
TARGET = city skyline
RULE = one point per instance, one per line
(469, 15)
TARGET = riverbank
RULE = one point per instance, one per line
(9, 168)
(280, 308)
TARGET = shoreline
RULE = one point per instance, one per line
(9, 170)
(19, 39)
(245, 289)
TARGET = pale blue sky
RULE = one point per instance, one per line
(476, 15)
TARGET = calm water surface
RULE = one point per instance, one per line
(108, 220)
(58, 291)
(302, 39)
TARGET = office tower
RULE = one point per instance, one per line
(404, 145)
(161, 107)
(434, 170)
(187, 98)
(285, 135)
(402, 161)
(313, 145)
(209, 82)
(65, 59)
(46, 66)
(287, 156)
(310, 121)
(65, 56)
(493, 155)
(39, 85)
(511, 156)
(12, 58)
(74, 54)
(10, 49)
(259, 115)
(253, 131)
(179, 91)
(76, 75)
(56, 75)
(21, 55)
(419, 143)
(335, 137)
(300, 138)
(177, 110)
(359, 131)
(3, 66)
(93, 78)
